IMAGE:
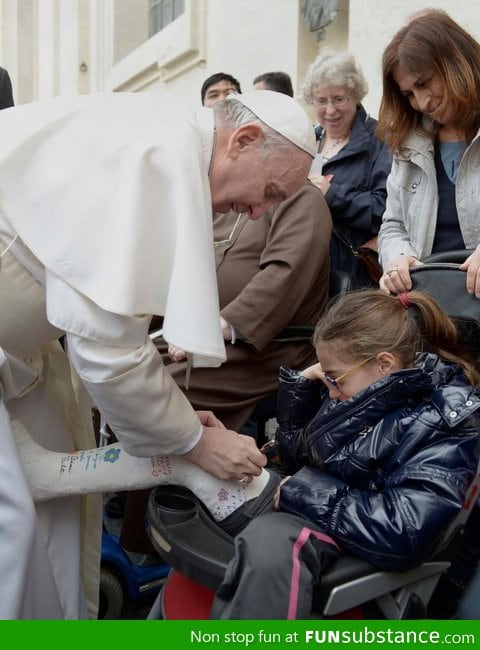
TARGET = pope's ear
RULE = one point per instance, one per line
(243, 138)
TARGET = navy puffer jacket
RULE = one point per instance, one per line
(386, 471)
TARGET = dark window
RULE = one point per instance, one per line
(163, 12)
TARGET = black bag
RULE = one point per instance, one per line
(369, 258)
(446, 283)
(366, 253)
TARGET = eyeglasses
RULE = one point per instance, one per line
(334, 382)
(336, 102)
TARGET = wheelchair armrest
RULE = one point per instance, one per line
(186, 537)
(352, 582)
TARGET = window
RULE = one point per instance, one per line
(163, 12)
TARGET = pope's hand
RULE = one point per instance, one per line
(226, 454)
(209, 419)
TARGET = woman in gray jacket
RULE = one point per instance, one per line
(430, 119)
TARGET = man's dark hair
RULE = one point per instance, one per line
(277, 81)
(215, 78)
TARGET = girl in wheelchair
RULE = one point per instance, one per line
(378, 446)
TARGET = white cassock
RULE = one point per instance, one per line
(105, 220)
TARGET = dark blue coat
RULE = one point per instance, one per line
(386, 471)
(358, 192)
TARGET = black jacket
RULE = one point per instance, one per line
(358, 190)
(357, 194)
(386, 471)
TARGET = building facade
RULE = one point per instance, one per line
(57, 47)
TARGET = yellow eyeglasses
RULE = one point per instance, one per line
(334, 382)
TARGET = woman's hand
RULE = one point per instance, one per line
(472, 267)
(322, 182)
(396, 278)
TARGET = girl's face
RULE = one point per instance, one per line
(345, 376)
(425, 95)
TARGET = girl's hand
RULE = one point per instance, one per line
(313, 373)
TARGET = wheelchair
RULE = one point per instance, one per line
(199, 551)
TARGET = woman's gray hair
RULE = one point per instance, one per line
(233, 114)
(332, 68)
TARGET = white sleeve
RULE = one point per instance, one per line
(124, 374)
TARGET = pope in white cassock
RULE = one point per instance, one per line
(105, 220)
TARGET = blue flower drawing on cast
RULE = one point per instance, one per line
(112, 455)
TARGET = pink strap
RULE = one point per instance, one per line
(300, 542)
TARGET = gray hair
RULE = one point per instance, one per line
(233, 114)
(332, 68)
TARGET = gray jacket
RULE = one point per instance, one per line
(410, 218)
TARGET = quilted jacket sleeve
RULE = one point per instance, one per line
(298, 401)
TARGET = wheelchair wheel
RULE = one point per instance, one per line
(111, 596)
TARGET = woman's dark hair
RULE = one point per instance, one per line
(363, 323)
(280, 82)
(431, 44)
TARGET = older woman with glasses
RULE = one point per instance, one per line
(352, 165)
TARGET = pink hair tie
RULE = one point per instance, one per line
(404, 299)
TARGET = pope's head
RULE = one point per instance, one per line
(265, 144)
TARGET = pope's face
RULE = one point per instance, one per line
(244, 181)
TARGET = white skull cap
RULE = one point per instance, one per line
(282, 114)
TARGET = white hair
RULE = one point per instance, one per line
(233, 114)
(332, 68)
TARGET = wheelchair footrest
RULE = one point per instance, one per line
(186, 537)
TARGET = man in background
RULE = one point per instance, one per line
(280, 82)
(218, 86)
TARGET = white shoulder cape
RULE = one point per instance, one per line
(110, 192)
